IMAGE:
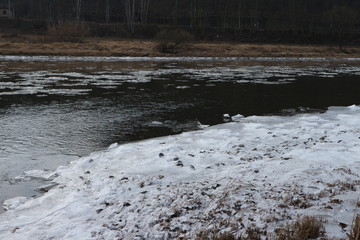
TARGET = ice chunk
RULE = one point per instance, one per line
(14, 202)
(45, 175)
(46, 188)
(112, 146)
(156, 123)
(237, 117)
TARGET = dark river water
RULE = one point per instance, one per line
(54, 110)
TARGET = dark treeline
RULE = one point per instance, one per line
(247, 20)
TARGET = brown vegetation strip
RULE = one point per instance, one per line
(45, 45)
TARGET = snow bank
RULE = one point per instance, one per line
(258, 172)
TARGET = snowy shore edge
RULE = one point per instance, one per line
(259, 172)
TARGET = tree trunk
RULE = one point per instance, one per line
(107, 11)
(175, 14)
(239, 15)
(193, 13)
(144, 9)
(78, 10)
(9, 6)
(50, 14)
(130, 14)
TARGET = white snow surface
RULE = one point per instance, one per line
(258, 172)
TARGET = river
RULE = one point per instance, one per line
(56, 109)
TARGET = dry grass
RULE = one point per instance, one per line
(228, 236)
(251, 234)
(47, 45)
(303, 229)
(225, 236)
(355, 230)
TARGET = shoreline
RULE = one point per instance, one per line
(33, 45)
(141, 190)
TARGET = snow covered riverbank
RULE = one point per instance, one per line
(259, 172)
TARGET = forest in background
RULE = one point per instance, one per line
(293, 21)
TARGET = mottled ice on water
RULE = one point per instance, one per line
(54, 82)
(256, 172)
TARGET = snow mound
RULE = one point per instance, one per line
(261, 172)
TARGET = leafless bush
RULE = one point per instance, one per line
(69, 31)
(171, 41)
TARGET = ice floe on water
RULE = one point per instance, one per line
(17, 81)
(257, 172)
(259, 74)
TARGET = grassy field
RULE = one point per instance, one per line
(47, 45)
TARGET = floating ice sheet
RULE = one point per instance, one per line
(209, 70)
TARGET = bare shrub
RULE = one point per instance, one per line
(173, 40)
(251, 234)
(355, 231)
(303, 229)
(223, 236)
(69, 31)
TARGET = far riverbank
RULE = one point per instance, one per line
(44, 45)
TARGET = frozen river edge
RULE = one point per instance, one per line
(258, 172)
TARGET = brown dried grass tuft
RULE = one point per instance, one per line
(305, 228)
(251, 234)
(211, 235)
(355, 231)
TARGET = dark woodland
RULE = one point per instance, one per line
(293, 21)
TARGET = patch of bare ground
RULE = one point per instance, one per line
(50, 45)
